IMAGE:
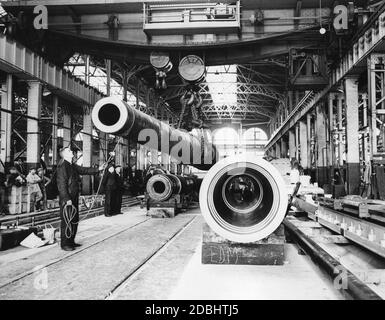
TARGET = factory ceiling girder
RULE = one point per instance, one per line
(100, 6)
(131, 60)
(257, 99)
(368, 40)
(246, 52)
(260, 102)
(248, 89)
(132, 79)
(263, 78)
(234, 111)
(90, 20)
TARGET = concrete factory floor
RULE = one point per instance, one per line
(136, 257)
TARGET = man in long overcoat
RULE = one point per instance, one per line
(68, 180)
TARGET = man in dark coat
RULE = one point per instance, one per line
(20, 167)
(110, 185)
(14, 178)
(119, 190)
(3, 179)
(68, 179)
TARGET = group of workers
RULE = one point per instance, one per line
(36, 181)
(66, 182)
(113, 187)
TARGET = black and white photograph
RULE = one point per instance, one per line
(186, 157)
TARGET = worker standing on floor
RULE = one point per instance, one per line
(68, 179)
(110, 186)
(119, 190)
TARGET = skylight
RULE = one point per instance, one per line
(222, 83)
(99, 81)
(3, 13)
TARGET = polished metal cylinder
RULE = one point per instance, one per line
(243, 198)
(161, 187)
(114, 116)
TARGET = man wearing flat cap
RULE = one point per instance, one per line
(68, 179)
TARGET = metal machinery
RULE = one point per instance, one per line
(307, 69)
(187, 18)
(192, 70)
(161, 63)
(114, 116)
(171, 191)
(242, 198)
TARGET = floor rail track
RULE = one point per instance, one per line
(355, 289)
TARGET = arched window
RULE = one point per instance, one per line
(254, 140)
(226, 136)
(254, 136)
(226, 141)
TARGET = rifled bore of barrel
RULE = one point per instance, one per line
(243, 198)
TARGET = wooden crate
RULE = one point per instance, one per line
(19, 200)
(14, 208)
(53, 204)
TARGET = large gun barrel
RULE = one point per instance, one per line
(243, 198)
(161, 187)
(114, 116)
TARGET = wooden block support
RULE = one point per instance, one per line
(161, 212)
(217, 250)
(166, 209)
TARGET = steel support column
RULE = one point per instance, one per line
(103, 138)
(321, 161)
(125, 84)
(67, 130)
(6, 121)
(303, 144)
(103, 148)
(142, 157)
(119, 152)
(330, 130)
(341, 146)
(278, 149)
(125, 153)
(372, 93)
(55, 121)
(352, 128)
(292, 146)
(165, 157)
(33, 131)
(290, 101)
(366, 134)
(309, 139)
(296, 130)
(284, 148)
(87, 150)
